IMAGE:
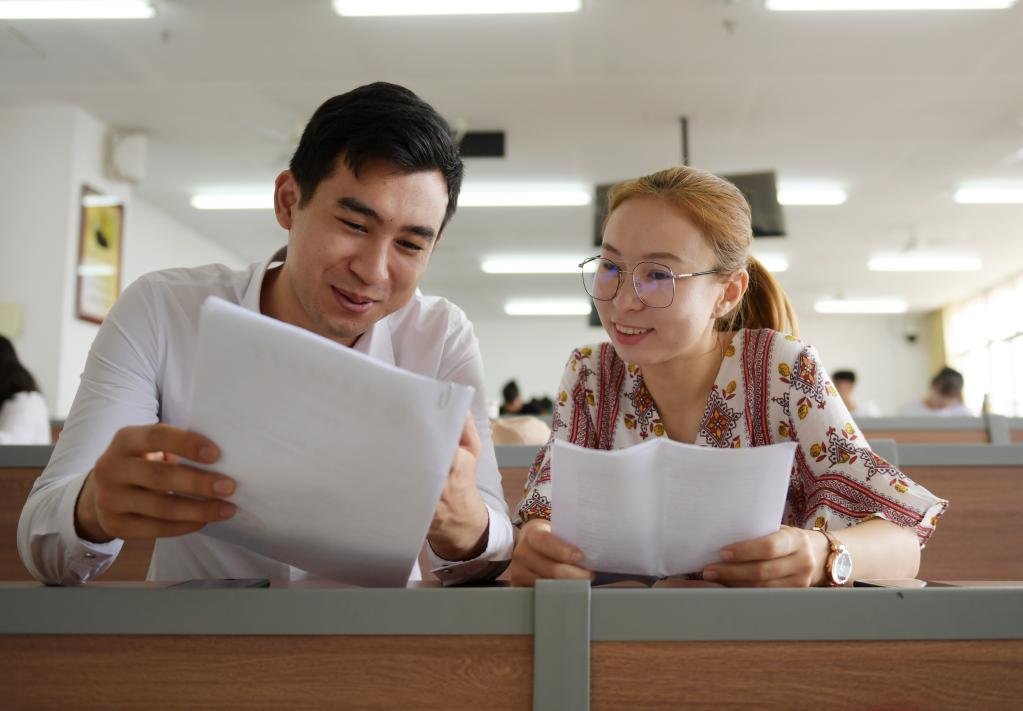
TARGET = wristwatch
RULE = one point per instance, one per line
(839, 564)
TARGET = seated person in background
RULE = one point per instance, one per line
(24, 418)
(945, 398)
(373, 182)
(702, 352)
(845, 384)
(513, 403)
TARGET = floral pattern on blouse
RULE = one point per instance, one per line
(770, 388)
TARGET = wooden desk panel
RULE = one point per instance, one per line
(786, 675)
(929, 436)
(979, 537)
(15, 484)
(200, 672)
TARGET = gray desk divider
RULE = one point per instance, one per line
(30, 609)
(27, 456)
(706, 614)
(998, 429)
(561, 644)
(886, 448)
(960, 455)
(523, 455)
(516, 455)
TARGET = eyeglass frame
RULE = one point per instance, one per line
(622, 271)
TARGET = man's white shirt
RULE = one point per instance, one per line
(140, 371)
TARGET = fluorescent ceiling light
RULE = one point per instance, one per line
(524, 196)
(75, 9)
(856, 5)
(236, 201)
(860, 306)
(532, 264)
(547, 307)
(989, 196)
(390, 8)
(811, 195)
(924, 263)
(773, 262)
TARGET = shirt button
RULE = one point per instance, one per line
(89, 554)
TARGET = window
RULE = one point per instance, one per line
(984, 341)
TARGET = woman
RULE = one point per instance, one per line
(23, 414)
(703, 351)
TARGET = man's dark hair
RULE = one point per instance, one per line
(510, 391)
(377, 121)
(14, 377)
(948, 382)
(843, 375)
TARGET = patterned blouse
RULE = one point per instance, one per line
(770, 388)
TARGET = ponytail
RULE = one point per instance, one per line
(764, 304)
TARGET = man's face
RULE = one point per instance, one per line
(358, 248)
(844, 388)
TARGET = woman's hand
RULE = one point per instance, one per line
(788, 558)
(541, 555)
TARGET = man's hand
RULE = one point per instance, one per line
(542, 555)
(790, 557)
(138, 488)
(461, 523)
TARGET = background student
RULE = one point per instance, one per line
(24, 418)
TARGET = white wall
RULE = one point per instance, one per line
(890, 370)
(37, 149)
(49, 153)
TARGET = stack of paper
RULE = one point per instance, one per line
(340, 459)
(664, 508)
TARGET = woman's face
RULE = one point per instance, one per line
(648, 229)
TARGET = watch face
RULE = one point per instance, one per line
(841, 571)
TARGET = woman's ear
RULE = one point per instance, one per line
(735, 285)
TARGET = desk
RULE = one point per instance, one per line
(560, 646)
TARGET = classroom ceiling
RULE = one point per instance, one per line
(898, 108)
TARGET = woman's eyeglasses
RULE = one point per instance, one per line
(654, 283)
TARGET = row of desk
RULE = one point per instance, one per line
(560, 646)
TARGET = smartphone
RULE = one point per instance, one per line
(222, 583)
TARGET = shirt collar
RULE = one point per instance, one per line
(375, 342)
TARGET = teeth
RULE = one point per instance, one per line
(631, 331)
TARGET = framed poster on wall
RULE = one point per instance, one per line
(101, 236)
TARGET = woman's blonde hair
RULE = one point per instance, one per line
(719, 210)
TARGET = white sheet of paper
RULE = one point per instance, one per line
(665, 508)
(340, 459)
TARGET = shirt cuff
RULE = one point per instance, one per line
(82, 559)
(488, 565)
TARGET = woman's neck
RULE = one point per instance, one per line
(685, 382)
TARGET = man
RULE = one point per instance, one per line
(845, 384)
(370, 188)
(944, 399)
